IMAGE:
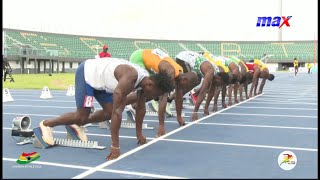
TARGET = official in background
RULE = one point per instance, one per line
(104, 53)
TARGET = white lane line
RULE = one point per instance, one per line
(35, 95)
(260, 126)
(33, 106)
(92, 134)
(279, 96)
(58, 107)
(200, 123)
(42, 115)
(243, 145)
(283, 94)
(276, 115)
(260, 107)
(42, 100)
(276, 90)
(142, 174)
(287, 100)
(278, 102)
(41, 106)
(101, 166)
(104, 170)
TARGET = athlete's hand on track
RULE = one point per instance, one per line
(161, 131)
(141, 140)
(206, 112)
(114, 153)
(194, 116)
(181, 121)
(224, 105)
(215, 108)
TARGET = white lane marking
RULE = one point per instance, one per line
(86, 173)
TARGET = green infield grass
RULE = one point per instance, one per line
(59, 81)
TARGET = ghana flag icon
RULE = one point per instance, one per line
(26, 158)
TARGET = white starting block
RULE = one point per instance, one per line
(154, 105)
(191, 107)
(6, 96)
(125, 124)
(71, 91)
(78, 143)
(45, 94)
(39, 143)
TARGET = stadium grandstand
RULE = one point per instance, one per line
(40, 52)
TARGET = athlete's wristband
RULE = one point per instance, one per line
(115, 147)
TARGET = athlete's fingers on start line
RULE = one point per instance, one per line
(114, 154)
(142, 140)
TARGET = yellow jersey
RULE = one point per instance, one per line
(260, 64)
(215, 60)
(309, 66)
(295, 63)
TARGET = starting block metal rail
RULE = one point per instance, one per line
(39, 143)
(126, 124)
(77, 143)
(191, 107)
(168, 114)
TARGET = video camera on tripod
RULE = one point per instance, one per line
(7, 70)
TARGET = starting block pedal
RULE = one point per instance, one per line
(39, 143)
(105, 124)
(131, 116)
(153, 106)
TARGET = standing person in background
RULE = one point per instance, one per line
(104, 53)
(309, 67)
(296, 66)
(6, 69)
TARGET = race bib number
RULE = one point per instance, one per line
(88, 101)
(160, 53)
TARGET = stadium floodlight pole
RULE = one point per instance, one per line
(314, 51)
(4, 45)
(97, 49)
(280, 14)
